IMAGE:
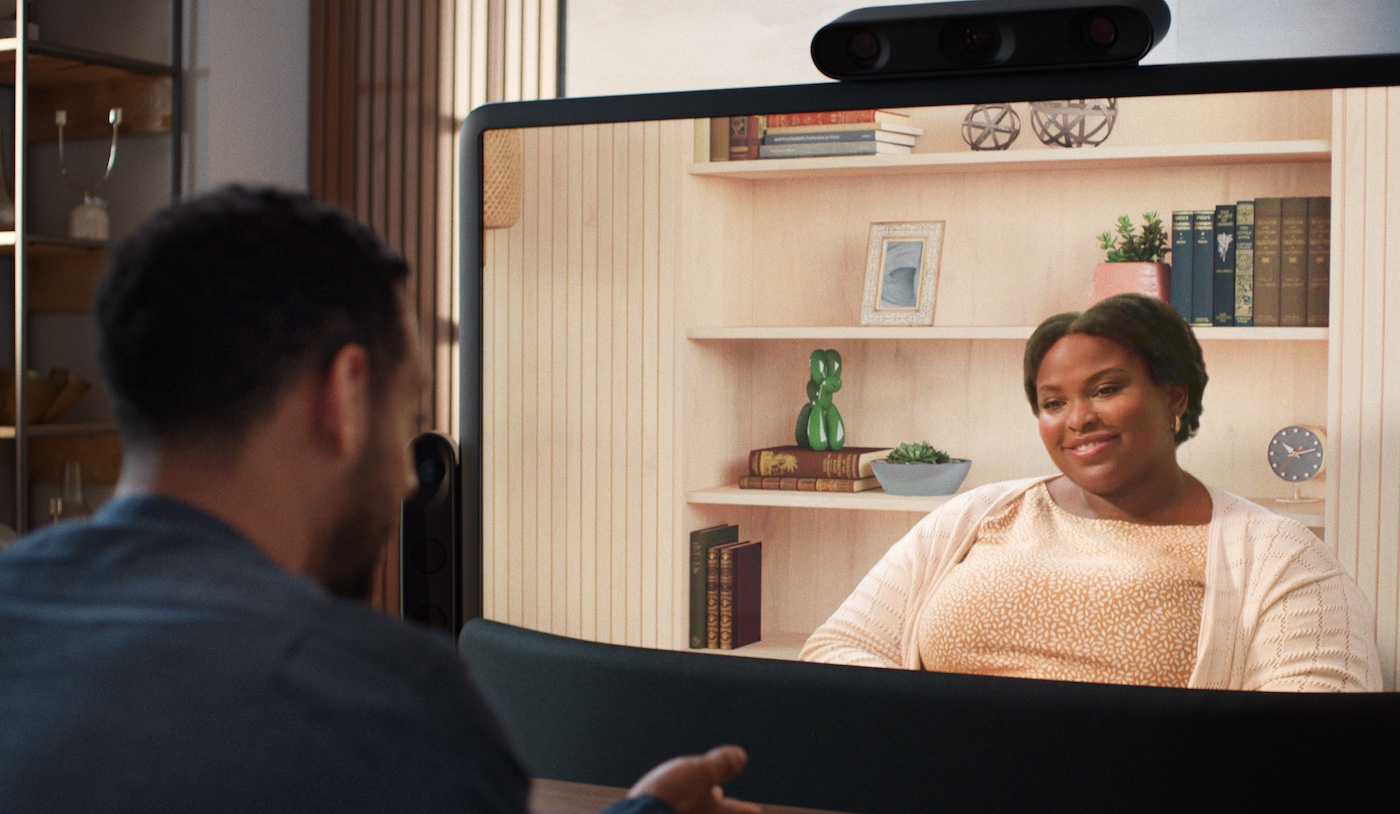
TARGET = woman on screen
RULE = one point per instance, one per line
(1122, 568)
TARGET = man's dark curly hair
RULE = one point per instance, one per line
(1145, 326)
(215, 306)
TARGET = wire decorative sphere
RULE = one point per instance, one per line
(991, 126)
(1074, 122)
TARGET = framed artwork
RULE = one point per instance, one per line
(901, 273)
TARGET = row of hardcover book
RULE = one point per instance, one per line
(1264, 262)
(807, 135)
(808, 470)
(726, 588)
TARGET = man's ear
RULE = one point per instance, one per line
(343, 403)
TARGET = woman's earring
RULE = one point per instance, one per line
(1176, 425)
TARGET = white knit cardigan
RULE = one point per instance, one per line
(1279, 613)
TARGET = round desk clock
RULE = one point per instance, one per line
(1298, 453)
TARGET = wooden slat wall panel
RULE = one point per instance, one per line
(1363, 489)
(391, 83)
(579, 353)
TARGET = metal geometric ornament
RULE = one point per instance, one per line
(1074, 122)
(991, 126)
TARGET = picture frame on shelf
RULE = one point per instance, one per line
(901, 273)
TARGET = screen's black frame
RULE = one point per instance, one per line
(1159, 80)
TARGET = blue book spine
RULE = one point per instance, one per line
(1202, 265)
(1223, 301)
(1181, 263)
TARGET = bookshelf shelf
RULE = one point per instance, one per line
(780, 645)
(60, 430)
(1028, 160)
(1308, 513)
(971, 332)
(42, 245)
(874, 500)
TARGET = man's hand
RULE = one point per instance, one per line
(692, 784)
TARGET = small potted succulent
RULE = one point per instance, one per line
(1135, 262)
(920, 469)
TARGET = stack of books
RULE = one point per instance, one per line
(804, 135)
(726, 588)
(840, 132)
(1264, 262)
(807, 470)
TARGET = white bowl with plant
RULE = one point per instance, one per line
(920, 469)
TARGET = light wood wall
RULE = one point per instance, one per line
(1363, 474)
(391, 84)
(580, 482)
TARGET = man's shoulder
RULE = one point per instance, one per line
(161, 582)
(204, 659)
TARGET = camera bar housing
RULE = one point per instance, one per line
(930, 39)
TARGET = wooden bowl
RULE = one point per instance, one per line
(46, 397)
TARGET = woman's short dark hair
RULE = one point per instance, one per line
(1145, 326)
(211, 309)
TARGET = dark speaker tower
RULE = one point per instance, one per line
(431, 537)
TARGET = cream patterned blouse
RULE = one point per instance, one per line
(1048, 594)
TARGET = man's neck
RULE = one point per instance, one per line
(260, 502)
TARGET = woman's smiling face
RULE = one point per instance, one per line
(1105, 423)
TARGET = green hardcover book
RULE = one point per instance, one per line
(1319, 262)
(701, 541)
(1268, 222)
(1244, 263)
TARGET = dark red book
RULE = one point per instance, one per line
(836, 117)
(793, 461)
(808, 484)
(740, 594)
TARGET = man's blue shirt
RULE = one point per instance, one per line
(153, 659)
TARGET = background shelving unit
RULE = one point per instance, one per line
(55, 274)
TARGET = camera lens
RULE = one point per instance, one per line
(430, 471)
(1100, 33)
(980, 40)
(863, 48)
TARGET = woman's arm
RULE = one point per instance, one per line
(1305, 625)
(1316, 636)
(867, 630)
